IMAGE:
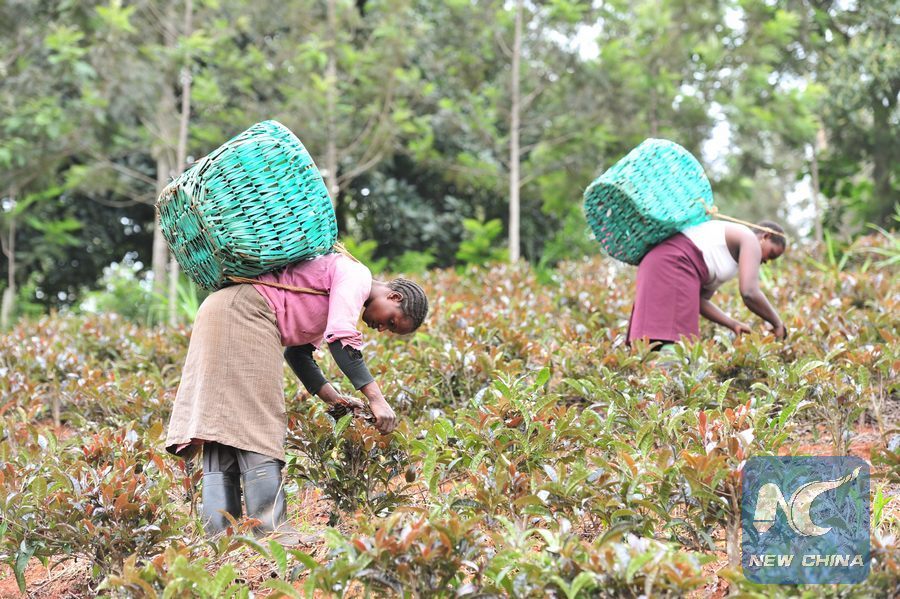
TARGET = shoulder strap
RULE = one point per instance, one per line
(278, 285)
(338, 247)
(713, 212)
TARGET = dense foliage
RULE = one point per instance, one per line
(537, 455)
(407, 107)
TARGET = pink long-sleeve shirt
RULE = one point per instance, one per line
(306, 318)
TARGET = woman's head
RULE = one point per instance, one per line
(772, 240)
(399, 306)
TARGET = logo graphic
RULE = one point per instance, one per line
(819, 534)
(797, 512)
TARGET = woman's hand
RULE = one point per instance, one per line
(385, 418)
(780, 331)
(341, 404)
(740, 328)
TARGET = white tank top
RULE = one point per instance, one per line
(709, 237)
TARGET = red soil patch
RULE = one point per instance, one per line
(861, 446)
(63, 581)
(718, 587)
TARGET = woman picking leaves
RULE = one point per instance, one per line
(677, 279)
(231, 400)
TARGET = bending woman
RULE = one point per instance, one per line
(231, 399)
(678, 277)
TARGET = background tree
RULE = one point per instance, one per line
(42, 113)
(857, 59)
(346, 79)
(415, 115)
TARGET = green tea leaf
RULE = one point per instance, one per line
(542, 378)
(341, 425)
(279, 555)
(23, 554)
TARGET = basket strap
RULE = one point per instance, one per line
(338, 247)
(713, 212)
(278, 285)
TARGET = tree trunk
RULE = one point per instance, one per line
(331, 150)
(160, 249)
(514, 125)
(653, 109)
(9, 294)
(181, 154)
(883, 151)
(818, 211)
(165, 162)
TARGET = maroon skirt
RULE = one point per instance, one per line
(667, 301)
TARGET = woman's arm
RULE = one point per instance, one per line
(351, 364)
(712, 312)
(749, 258)
(300, 358)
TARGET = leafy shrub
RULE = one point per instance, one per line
(199, 571)
(479, 245)
(412, 262)
(364, 251)
(124, 291)
(567, 566)
(409, 555)
(537, 455)
(102, 500)
(349, 459)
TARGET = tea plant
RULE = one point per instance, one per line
(102, 500)
(414, 555)
(349, 459)
(537, 454)
(200, 571)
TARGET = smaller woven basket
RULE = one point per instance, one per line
(655, 191)
(255, 204)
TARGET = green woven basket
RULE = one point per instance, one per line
(255, 204)
(655, 191)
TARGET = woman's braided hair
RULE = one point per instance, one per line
(414, 303)
(776, 231)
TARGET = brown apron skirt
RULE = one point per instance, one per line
(231, 386)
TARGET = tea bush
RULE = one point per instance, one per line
(352, 462)
(537, 455)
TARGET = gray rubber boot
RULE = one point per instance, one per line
(265, 501)
(221, 493)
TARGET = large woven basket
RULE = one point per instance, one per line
(255, 204)
(655, 191)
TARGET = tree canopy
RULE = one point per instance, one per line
(426, 118)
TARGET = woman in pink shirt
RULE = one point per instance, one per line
(231, 401)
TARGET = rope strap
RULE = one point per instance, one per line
(338, 247)
(713, 211)
(278, 285)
